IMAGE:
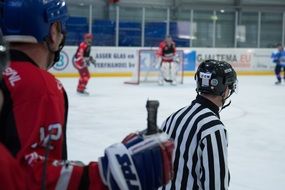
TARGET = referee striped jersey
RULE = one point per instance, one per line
(200, 155)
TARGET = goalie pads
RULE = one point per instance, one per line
(168, 72)
(176, 59)
(140, 162)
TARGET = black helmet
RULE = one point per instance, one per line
(213, 76)
(3, 55)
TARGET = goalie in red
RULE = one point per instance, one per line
(167, 55)
(82, 61)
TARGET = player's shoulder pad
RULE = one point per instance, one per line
(83, 45)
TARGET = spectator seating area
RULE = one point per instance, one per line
(130, 33)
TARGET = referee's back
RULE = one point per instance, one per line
(200, 138)
(200, 160)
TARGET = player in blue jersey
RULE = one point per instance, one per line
(278, 58)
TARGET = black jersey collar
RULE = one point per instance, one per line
(16, 55)
(208, 104)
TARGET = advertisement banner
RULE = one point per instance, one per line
(108, 60)
(241, 59)
(124, 60)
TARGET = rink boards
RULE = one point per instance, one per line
(122, 61)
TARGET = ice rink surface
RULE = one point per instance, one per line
(255, 123)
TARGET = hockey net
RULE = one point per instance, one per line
(147, 68)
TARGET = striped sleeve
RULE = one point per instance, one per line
(215, 173)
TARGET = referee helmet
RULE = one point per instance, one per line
(213, 77)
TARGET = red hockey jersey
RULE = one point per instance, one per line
(33, 128)
(166, 52)
(83, 51)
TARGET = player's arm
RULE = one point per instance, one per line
(215, 174)
(60, 174)
(142, 160)
(80, 62)
(80, 53)
(160, 49)
(11, 176)
(139, 162)
(275, 57)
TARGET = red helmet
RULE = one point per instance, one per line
(88, 36)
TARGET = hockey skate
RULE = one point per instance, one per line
(160, 82)
(83, 92)
(278, 82)
(173, 83)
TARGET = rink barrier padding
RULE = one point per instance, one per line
(186, 74)
(123, 61)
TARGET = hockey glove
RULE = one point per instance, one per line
(138, 163)
(89, 60)
(92, 60)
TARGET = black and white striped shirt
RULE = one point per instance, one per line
(200, 155)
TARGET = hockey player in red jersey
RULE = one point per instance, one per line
(166, 54)
(82, 61)
(34, 110)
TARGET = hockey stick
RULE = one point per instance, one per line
(45, 164)
(152, 106)
(167, 80)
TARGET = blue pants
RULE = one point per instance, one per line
(278, 69)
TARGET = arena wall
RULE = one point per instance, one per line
(114, 61)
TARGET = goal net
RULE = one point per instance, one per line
(147, 68)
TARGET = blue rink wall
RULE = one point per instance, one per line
(123, 61)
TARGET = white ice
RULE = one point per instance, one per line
(255, 123)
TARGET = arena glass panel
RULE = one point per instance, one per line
(180, 28)
(130, 27)
(248, 22)
(155, 26)
(204, 29)
(225, 29)
(271, 29)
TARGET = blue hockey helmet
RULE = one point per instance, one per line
(30, 20)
